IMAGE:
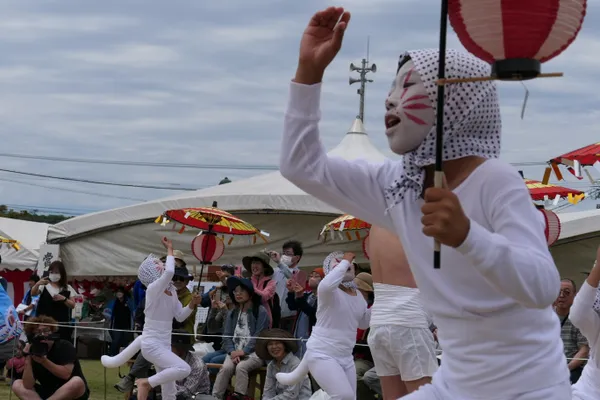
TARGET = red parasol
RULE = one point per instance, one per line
(584, 157)
(347, 224)
(543, 191)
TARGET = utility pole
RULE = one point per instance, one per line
(363, 70)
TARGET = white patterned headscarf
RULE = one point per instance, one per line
(150, 270)
(471, 118)
(331, 261)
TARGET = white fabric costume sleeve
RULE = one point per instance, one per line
(355, 187)
(365, 322)
(514, 258)
(162, 283)
(182, 312)
(582, 314)
(333, 279)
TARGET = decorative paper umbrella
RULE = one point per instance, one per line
(574, 160)
(13, 243)
(347, 224)
(543, 192)
(212, 221)
(515, 36)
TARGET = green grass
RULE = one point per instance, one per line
(94, 374)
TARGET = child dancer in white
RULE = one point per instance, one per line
(585, 316)
(162, 305)
(340, 312)
(492, 298)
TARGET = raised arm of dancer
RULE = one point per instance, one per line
(514, 256)
(582, 313)
(162, 283)
(333, 279)
(355, 187)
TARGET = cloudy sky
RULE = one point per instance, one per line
(205, 82)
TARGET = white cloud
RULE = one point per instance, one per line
(208, 83)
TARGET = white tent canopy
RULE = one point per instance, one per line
(113, 242)
(31, 235)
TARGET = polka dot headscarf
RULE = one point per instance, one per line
(331, 261)
(150, 270)
(471, 118)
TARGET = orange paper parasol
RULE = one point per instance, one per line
(211, 219)
(346, 224)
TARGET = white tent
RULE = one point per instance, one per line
(114, 242)
(31, 235)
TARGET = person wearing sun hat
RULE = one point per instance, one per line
(277, 347)
(259, 266)
(243, 323)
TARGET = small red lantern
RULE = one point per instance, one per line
(207, 248)
(552, 230)
(516, 36)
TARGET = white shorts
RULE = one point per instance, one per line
(398, 350)
(439, 391)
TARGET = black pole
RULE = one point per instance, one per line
(439, 140)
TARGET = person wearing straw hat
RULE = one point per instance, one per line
(278, 348)
(341, 311)
(585, 315)
(259, 266)
(244, 322)
(497, 279)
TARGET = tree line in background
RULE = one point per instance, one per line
(51, 219)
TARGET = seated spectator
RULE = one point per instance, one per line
(243, 323)
(197, 384)
(52, 369)
(16, 365)
(218, 302)
(305, 302)
(280, 355)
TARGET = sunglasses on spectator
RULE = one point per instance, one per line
(179, 279)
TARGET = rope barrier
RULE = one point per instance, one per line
(282, 339)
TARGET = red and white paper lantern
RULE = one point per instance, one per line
(207, 248)
(552, 230)
(516, 36)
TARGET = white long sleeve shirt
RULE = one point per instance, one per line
(339, 315)
(492, 297)
(161, 308)
(583, 316)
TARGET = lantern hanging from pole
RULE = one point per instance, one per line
(552, 226)
(516, 36)
(207, 248)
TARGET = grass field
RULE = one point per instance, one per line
(94, 374)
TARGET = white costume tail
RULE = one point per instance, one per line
(294, 377)
(124, 356)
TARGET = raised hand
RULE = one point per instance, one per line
(167, 243)
(321, 41)
(349, 256)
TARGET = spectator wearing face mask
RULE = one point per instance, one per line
(120, 312)
(287, 267)
(56, 298)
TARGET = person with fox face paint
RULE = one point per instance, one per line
(497, 280)
(341, 310)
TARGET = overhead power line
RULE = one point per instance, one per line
(143, 163)
(182, 165)
(73, 190)
(94, 182)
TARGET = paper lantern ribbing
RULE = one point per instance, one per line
(516, 36)
(208, 248)
(552, 230)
